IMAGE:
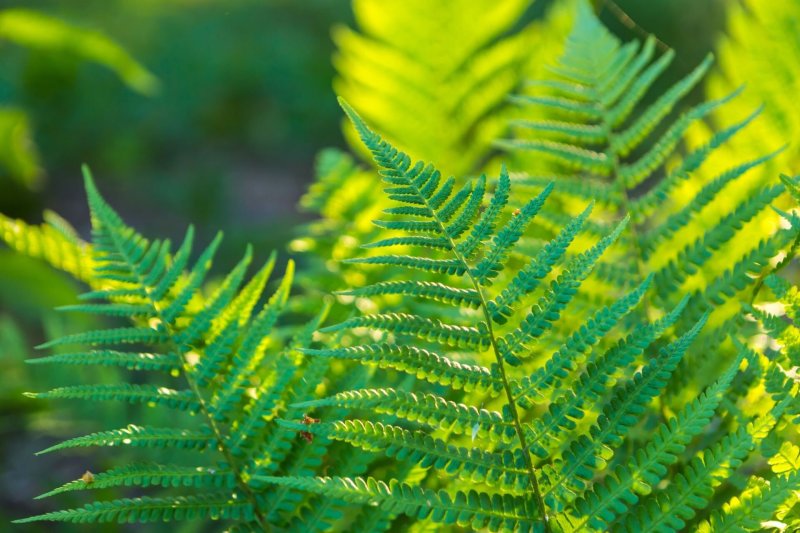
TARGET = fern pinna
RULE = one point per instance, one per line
(238, 371)
(527, 447)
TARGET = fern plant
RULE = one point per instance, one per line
(781, 360)
(539, 367)
(595, 135)
(523, 447)
(237, 367)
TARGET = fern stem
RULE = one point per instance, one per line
(237, 471)
(511, 402)
(635, 235)
(218, 435)
(512, 407)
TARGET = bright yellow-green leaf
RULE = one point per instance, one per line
(39, 31)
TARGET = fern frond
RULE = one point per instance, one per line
(617, 492)
(237, 369)
(602, 133)
(692, 488)
(529, 278)
(429, 290)
(444, 100)
(547, 310)
(590, 452)
(507, 470)
(54, 242)
(757, 505)
(420, 327)
(128, 360)
(483, 244)
(535, 388)
(111, 336)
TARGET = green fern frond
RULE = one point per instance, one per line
(535, 388)
(619, 491)
(588, 453)
(421, 363)
(239, 371)
(757, 506)
(429, 290)
(420, 327)
(55, 242)
(692, 488)
(506, 471)
(427, 409)
(129, 360)
(439, 98)
(145, 394)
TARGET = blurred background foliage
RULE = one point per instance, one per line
(212, 111)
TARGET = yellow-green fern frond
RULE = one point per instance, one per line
(434, 76)
(598, 129)
(54, 242)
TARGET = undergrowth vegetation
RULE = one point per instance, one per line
(586, 321)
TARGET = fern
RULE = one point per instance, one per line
(520, 361)
(600, 133)
(539, 453)
(237, 367)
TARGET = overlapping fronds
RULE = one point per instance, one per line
(529, 444)
(562, 350)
